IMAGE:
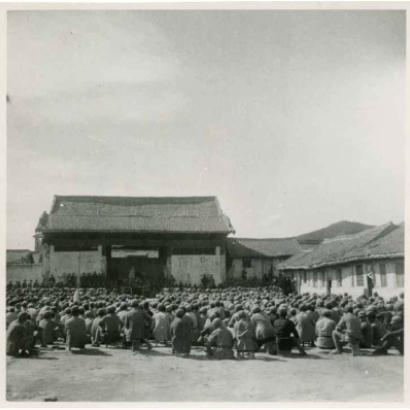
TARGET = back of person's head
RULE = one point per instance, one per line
(111, 309)
(242, 315)
(327, 313)
(135, 303)
(88, 314)
(161, 307)
(283, 313)
(180, 312)
(75, 311)
(348, 308)
(256, 309)
(216, 323)
(23, 317)
(47, 314)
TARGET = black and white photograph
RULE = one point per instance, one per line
(205, 205)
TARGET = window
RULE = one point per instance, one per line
(383, 276)
(247, 262)
(323, 275)
(314, 279)
(399, 267)
(304, 276)
(359, 275)
(339, 277)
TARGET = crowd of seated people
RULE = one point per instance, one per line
(233, 322)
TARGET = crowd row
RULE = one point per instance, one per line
(235, 319)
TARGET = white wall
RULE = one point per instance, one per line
(77, 262)
(188, 269)
(19, 272)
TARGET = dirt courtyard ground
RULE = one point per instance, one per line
(110, 374)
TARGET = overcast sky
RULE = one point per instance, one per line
(295, 120)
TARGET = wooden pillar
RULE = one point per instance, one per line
(168, 263)
(221, 263)
(103, 259)
(79, 269)
(52, 261)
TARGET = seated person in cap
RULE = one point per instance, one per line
(286, 334)
(367, 331)
(181, 332)
(11, 315)
(348, 330)
(324, 328)
(135, 326)
(96, 329)
(305, 325)
(393, 338)
(245, 337)
(76, 330)
(377, 330)
(189, 309)
(161, 326)
(16, 336)
(220, 342)
(89, 319)
(122, 313)
(111, 326)
(48, 329)
(264, 332)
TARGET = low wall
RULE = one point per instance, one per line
(24, 271)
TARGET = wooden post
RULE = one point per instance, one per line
(78, 269)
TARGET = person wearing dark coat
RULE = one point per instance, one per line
(135, 326)
(76, 330)
(286, 333)
(181, 332)
(48, 333)
(393, 338)
(16, 336)
(111, 325)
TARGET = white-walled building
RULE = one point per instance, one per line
(364, 263)
(258, 257)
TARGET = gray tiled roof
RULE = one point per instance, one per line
(343, 249)
(137, 214)
(269, 247)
